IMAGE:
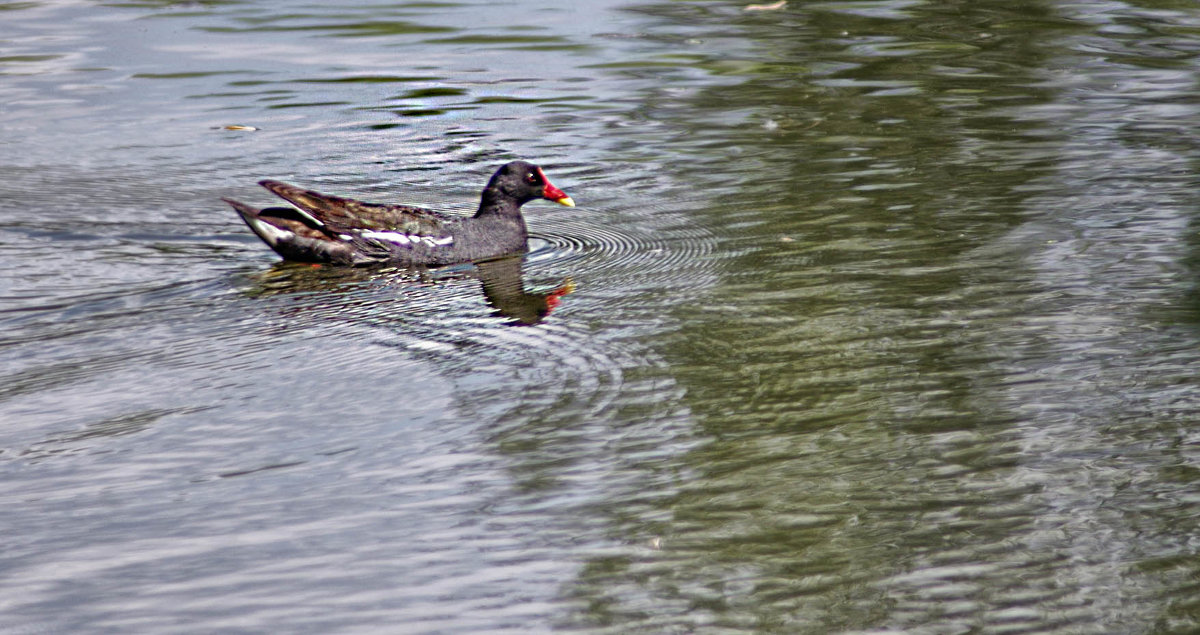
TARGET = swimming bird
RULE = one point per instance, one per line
(331, 229)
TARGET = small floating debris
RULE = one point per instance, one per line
(239, 127)
(766, 7)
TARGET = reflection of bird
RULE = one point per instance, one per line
(323, 228)
(502, 280)
(504, 288)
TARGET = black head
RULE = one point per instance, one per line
(524, 182)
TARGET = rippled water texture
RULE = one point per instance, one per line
(884, 319)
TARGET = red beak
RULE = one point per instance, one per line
(551, 193)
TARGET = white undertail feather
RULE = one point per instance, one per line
(268, 232)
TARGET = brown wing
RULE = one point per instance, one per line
(348, 213)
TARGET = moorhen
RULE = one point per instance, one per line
(330, 229)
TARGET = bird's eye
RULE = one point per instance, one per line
(531, 178)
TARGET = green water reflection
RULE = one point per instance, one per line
(932, 380)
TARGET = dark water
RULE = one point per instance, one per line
(885, 320)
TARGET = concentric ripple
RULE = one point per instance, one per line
(674, 251)
(656, 249)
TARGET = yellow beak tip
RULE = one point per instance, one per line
(566, 200)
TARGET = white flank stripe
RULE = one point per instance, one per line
(310, 217)
(408, 239)
(391, 237)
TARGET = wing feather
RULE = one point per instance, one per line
(341, 213)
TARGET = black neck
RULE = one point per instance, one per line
(495, 202)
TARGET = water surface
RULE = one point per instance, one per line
(884, 320)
